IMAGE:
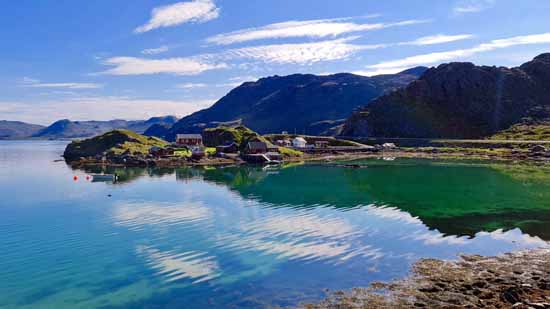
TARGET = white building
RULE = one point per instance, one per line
(299, 142)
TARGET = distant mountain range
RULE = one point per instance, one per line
(454, 100)
(17, 129)
(459, 100)
(66, 129)
(301, 103)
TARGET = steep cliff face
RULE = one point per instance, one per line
(300, 103)
(459, 100)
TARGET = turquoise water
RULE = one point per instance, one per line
(246, 237)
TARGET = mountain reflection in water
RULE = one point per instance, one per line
(246, 236)
(454, 199)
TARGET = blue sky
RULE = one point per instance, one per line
(107, 59)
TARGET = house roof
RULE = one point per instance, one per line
(189, 136)
(299, 139)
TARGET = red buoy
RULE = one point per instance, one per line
(75, 178)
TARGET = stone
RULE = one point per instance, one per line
(538, 148)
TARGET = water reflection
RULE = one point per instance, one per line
(245, 236)
(455, 199)
(137, 215)
(174, 266)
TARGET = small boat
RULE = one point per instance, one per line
(104, 178)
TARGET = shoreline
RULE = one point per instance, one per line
(431, 153)
(518, 279)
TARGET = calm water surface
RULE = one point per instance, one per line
(246, 237)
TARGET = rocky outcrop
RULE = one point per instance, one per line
(514, 280)
(239, 135)
(459, 100)
(300, 103)
(112, 144)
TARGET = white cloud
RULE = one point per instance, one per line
(242, 79)
(182, 12)
(191, 85)
(304, 53)
(437, 39)
(178, 66)
(374, 72)
(35, 83)
(97, 108)
(472, 6)
(154, 51)
(395, 66)
(310, 28)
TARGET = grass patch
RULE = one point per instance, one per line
(183, 152)
(210, 151)
(287, 152)
(240, 135)
(528, 132)
(333, 142)
(114, 142)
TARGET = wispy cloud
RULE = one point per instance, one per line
(438, 39)
(191, 85)
(395, 66)
(35, 83)
(472, 6)
(97, 108)
(154, 51)
(182, 12)
(289, 53)
(318, 28)
(328, 50)
(304, 53)
(178, 66)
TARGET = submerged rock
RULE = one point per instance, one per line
(514, 280)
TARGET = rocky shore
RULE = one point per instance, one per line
(514, 280)
(538, 156)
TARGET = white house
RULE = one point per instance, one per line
(299, 142)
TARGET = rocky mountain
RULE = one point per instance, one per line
(17, 129)
(71, 129)
(459, 100)
(301, 103)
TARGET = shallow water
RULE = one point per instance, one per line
(246, 237)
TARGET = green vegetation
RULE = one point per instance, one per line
(182, 152)
(240, 135)
(210, 151)
(333, 142)
(528, 132)
(287, 152)
(524, 172)
(115, 142)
